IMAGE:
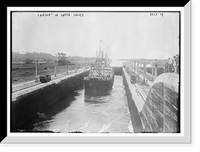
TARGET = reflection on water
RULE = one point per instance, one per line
(74, 113)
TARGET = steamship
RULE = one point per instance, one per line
(101, 77)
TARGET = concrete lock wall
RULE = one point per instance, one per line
(26, 107)
(134, 114)
(160, 112)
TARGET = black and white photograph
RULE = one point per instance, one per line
(96, 72)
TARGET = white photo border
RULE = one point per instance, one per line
(186, 74)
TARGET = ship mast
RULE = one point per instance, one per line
(100, 58)
(106, 56)
(100, 52)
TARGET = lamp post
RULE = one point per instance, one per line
(156, 72)
(138, 67)
(36, 70)
(55, 64)
(55, 72)
(75, 66)
(67, 67)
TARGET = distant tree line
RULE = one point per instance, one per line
(28, 57)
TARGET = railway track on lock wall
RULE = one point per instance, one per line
(139, 90)
(38, 83)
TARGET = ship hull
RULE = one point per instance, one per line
(97, 87)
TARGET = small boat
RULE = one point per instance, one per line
(101, 77)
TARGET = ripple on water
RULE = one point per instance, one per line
(108, 113)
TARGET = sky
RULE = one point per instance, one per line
(128, 35)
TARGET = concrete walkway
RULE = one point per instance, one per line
(30, 86)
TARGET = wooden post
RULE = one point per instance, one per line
(36, 71)
(144, 71)
(138, 67)
(131, 67)
(75, 66)
(152, 71)
(36, 67)
(156, 72)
